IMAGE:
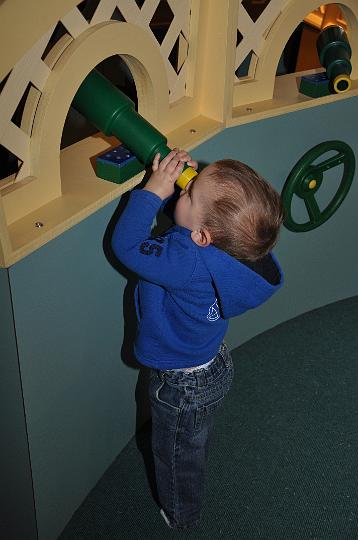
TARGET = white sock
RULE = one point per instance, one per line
(165, 517)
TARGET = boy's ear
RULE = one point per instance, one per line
(201, 237)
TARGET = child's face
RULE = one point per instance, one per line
(189, 208)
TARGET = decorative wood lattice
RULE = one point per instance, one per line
(254, 22)
(28, 77)
(167, 21)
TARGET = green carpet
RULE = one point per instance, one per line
(284, 455)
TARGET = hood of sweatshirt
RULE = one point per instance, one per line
(238, 287)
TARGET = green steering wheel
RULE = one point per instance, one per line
(305, 180)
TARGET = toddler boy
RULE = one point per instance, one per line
(213, 264)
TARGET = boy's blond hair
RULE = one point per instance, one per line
(244, 213)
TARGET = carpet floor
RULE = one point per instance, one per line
(283, 460)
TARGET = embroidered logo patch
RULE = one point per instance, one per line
(149, 248)
(214, 313)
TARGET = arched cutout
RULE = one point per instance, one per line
(96, 44)
(262, 87)
(114, 68)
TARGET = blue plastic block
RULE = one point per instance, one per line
(316, 85)
(117, 157)
(118, 165)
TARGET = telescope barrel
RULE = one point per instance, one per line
(334, 53)
(113, 113)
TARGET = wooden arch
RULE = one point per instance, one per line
(262, 87)
(78, 59)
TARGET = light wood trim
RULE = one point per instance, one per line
(286, 99)
(23, 22)
(216, 57)
(5, 243)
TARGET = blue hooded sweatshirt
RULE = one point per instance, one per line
(186, 294)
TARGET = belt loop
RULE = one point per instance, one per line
(226, 358)
(200, 377)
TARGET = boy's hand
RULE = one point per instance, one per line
(167, 172)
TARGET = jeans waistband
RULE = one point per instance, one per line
(200, 377)
(190, 370)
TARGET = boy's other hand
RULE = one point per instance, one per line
(166, 172)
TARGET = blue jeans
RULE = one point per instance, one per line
(183, 406)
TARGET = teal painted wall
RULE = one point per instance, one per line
(79, 394)
(17, 510)
(321, 265)
(80, 387)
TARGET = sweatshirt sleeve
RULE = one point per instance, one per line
(167, 260)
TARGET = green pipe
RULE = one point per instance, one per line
(113, 113)
(334, 53)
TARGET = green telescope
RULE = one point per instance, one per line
(113, 113)
(334, 53)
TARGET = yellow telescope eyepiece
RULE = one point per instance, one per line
(342, 83)
(188, 174)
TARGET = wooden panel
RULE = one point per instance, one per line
(280, 21)
(19, 34)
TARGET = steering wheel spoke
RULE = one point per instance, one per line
(331, 162)
(312, 208)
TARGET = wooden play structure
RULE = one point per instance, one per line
(209, 76)
(185, 81)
